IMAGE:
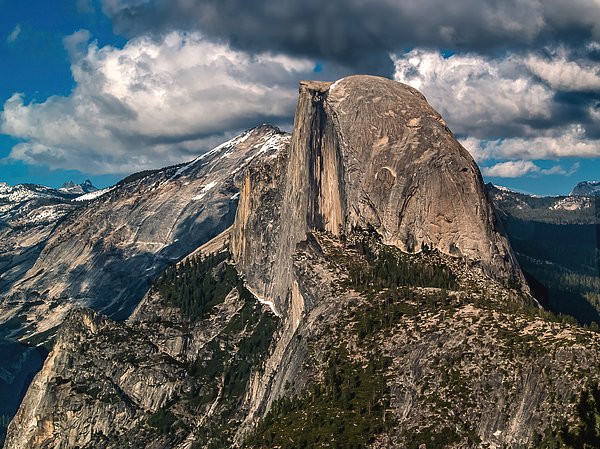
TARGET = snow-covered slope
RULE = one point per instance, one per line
(106, 253)
(28, 214)
(93, 195)
(30, 204)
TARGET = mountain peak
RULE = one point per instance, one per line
(368, 153)
(586, 188)
(78, 189)
(68, 185)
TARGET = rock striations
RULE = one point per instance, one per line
(364, 294)
(370, 152)
(105, 254)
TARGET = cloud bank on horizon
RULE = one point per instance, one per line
(517, 81)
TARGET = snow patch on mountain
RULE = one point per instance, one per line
(571, 203)
(229, 145)
(204, 190)
(93, 195)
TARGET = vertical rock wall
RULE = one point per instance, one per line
(367, 151)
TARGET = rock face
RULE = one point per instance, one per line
(370, 152)
(28, 215)
(586, 188)
(465, 368)
(106, 253)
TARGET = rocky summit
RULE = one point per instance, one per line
(346, 286)
(586, 188)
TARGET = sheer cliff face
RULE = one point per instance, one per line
(367, 151)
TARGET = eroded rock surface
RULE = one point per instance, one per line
(369, 152)
(106, 254)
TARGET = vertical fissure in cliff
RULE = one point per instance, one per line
(326, 203)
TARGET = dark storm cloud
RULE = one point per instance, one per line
(516, 79)
(360, 33)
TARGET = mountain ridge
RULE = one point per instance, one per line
(78, 189)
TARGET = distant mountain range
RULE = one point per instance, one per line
(78, 189)
(568, 209)
(557, 243)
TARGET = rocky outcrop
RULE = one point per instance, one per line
(365, 152)
(70, 187)
(370, 152)
(462, 368)
(160, 380)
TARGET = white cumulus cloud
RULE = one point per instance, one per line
(560, 73)
(476, 95)
(571, 142)
(14, 34)
(151, 103)
(506, 108)
(511, 169)
(518, 169)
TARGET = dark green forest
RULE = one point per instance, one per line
(345, 410)
(585, 432)
(558, 248)
(198, 283)
(388, 267)
(562, 262)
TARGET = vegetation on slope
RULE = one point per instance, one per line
(345, 410)
(345, 405)
(424, 334)
(221, 374)
(229, 334)
(198, 283)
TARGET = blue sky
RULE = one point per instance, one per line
(37, 64)
(110, 87)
